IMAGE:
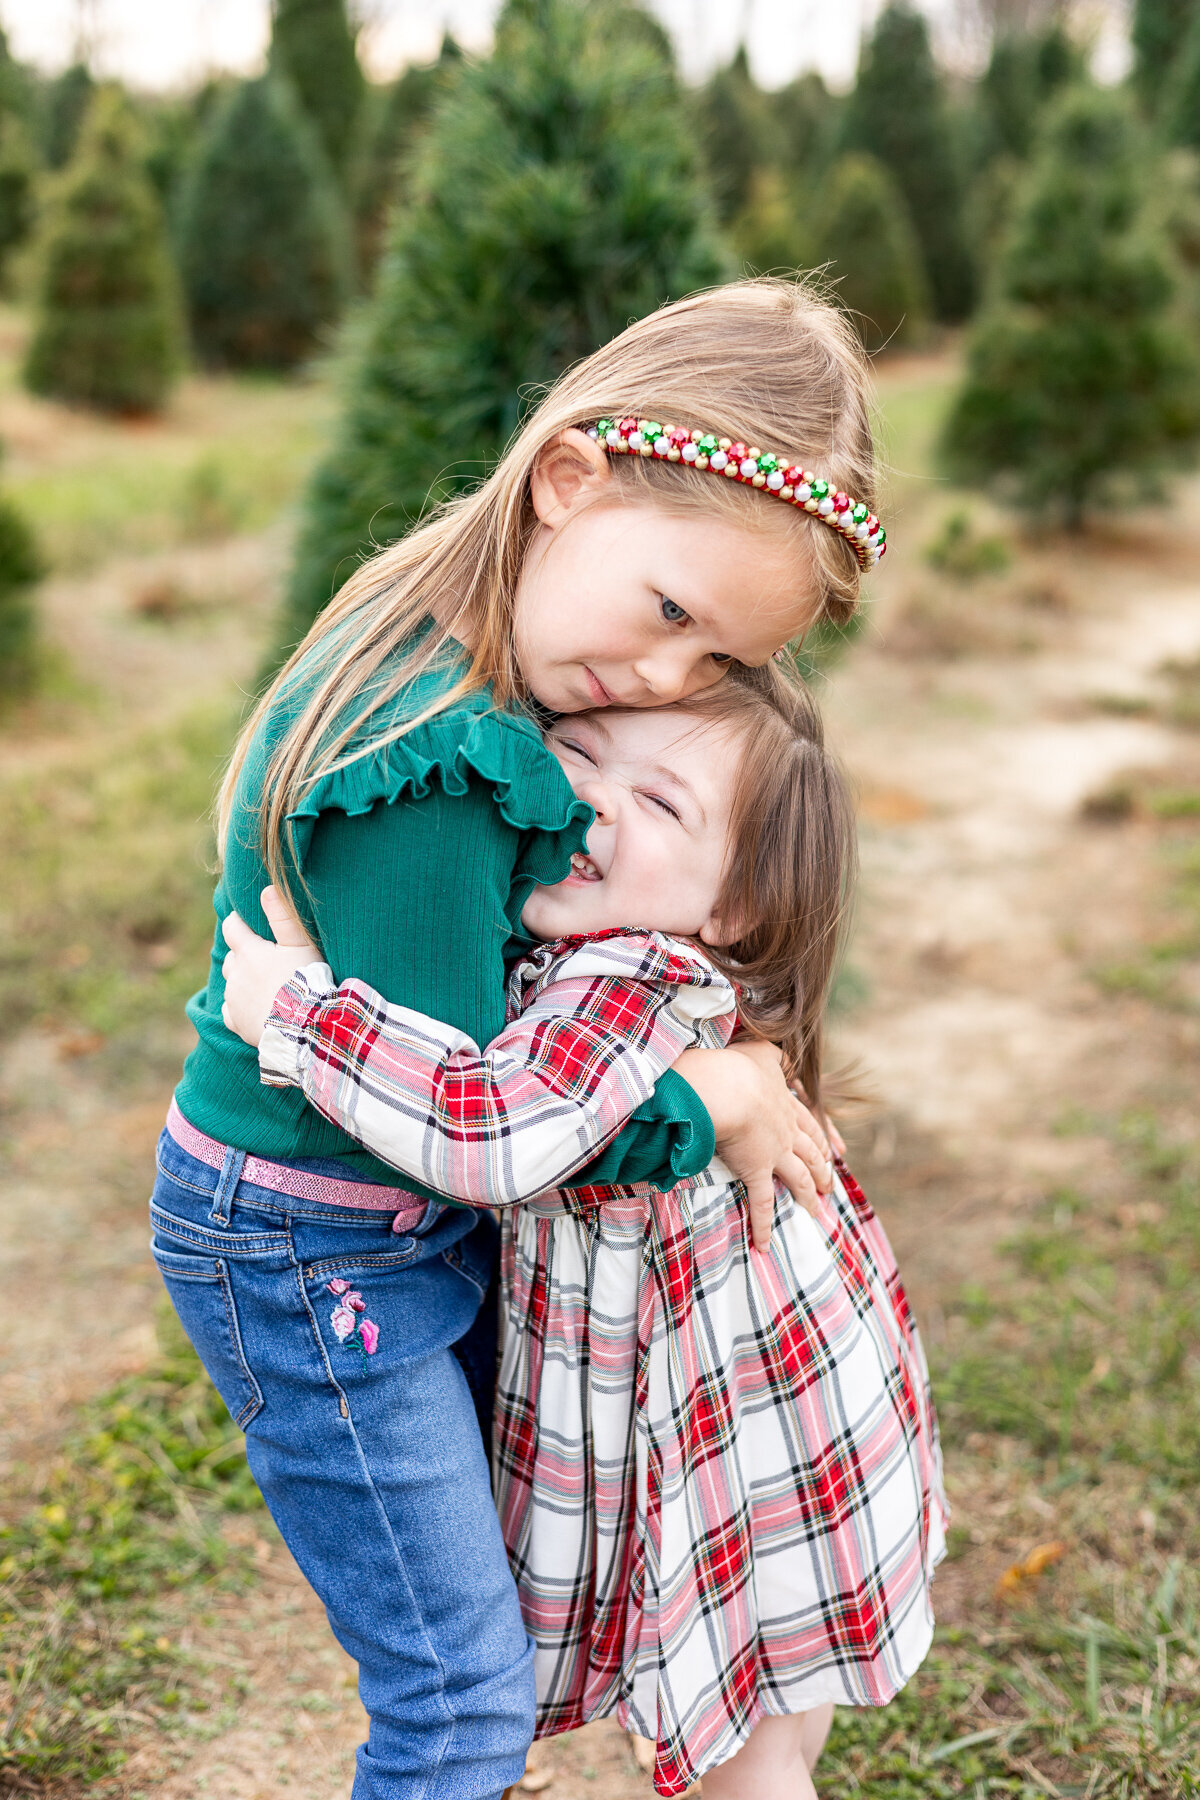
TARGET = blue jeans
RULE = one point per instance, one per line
(366, 1449)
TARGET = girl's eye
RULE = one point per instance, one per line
(673, 614)
(719, 656)
(663, 805)
(578, 749)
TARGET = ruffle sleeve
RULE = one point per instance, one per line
(472, 738)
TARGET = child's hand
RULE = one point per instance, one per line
(255, 969)
(763, 1131)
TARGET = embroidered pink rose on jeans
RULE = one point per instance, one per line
(349, 1321)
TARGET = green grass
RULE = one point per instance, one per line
(1077, 1377)
(92, 1571)
(106, 883)
(137, 489)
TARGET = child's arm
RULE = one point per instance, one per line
(497, 1126)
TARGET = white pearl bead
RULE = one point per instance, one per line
(861, 532)
(804, 492)
(660, 446)
(775, 481)
(689, 453)
(717, 460)
(612, 439)
(635, 440)
(747, 468)
(846, 519)
(825, 507)
(593, 434)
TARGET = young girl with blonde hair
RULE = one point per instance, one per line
(395, 784)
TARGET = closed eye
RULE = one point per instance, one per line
(663, 805)
(578, 749)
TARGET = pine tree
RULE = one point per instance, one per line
(67, 100)
(262, 235)
(20, 568)
(867, 238)
(391, 122)
(771, 234)
(1025, 71)
(312, 47)
(18, 172)
(555, 196)
(1181, 101)
(737, 130)
(1079, 370)
(1157, 31)
(898, 114)
(805, 120)
(108, 329)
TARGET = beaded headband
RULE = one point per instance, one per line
(775, 475)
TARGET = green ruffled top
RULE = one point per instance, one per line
(417, 859)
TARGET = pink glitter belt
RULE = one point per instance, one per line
(301, 1184)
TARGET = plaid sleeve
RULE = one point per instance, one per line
(600, 1025)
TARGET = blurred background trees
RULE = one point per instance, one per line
(462, 231)
(262, 233)
(108, 328)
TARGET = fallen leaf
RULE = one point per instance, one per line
(80, 1043)
(1018, 1575)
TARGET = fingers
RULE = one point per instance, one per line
(760, 1204)
(812, 1127)
(237, 933)
(799, 1183)
(285, 926)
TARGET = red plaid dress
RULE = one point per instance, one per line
(717, 1473)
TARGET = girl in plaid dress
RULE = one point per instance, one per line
(716, 1468)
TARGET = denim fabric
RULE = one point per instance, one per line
(372, 1466)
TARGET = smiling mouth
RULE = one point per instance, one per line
(583, 868)
(600, 694)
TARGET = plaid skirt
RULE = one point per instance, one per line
(717, 1473)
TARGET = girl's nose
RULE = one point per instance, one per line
(673, 673)
(601, 798)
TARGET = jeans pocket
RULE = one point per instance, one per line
(202, 1295)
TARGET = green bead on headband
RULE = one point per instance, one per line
(775, 475)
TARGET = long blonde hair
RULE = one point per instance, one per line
(767, 361)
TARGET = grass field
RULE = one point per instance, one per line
(1065, 1341)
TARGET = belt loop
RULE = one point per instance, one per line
(231, 1174)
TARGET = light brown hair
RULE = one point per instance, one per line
(767, 361)
(789, 875)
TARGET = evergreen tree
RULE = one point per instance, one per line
(555, 196)
(18, 171)
(898, 114)
(262, 235)
(65, 105)
(770, 234)
(108, 329)
(867, 238)
(1024, 72)
(20, 568)
(1157, 31)
(737, 130)
(1079, 370)
(805, 119)
(312, 47)
(1181, 101)
(391, 122)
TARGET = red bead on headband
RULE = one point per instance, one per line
(775, 475)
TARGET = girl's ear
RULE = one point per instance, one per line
(720, 934)
(568, 472)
